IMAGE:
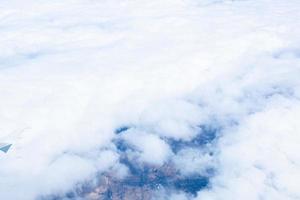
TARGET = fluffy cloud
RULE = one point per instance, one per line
(147, 147)
(207, 92)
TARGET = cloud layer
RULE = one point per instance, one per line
(201, 94)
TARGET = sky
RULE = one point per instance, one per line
(210, 86)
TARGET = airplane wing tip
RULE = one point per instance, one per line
(5, 148)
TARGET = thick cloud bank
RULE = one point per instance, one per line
(160, 99)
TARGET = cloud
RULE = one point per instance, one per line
(167, 99)
(147, 147)
(190, 161)
(259, 159)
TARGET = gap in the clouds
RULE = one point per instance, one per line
(143, 184)
(122, 129)
(122, 145)
(148, 175)
(192, 184)
(143, 180)
(206, 136)
(167, 176)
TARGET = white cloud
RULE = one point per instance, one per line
(150, 148)
(193, 161)
(259, 160)
(72, 72)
